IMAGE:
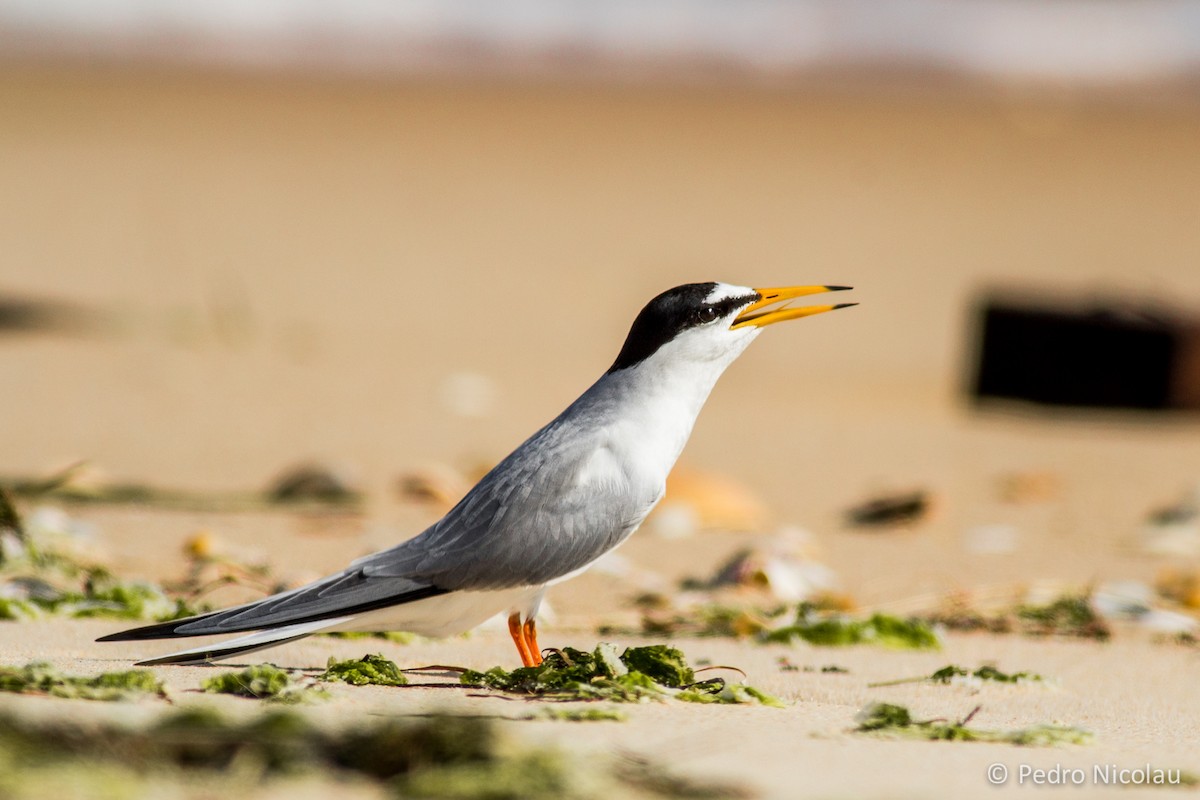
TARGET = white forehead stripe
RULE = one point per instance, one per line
(724, 291)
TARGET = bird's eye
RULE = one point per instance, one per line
(707, 314)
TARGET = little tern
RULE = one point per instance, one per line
(570, 493)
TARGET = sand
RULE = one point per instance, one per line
(294, 268)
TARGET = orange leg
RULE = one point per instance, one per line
(518, 636)
(531, 641)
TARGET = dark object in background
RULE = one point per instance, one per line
(893, 510)
(312, 483)
(24, 315)
(1098, 356)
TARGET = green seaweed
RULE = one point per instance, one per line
(656, 672)
(579, 714)
(17, 610)
(438, 757)
(952, 673)
(373, 670)
(43, 579)
(825, 630)
(711, 619)
(261, 682)
(895, 721)
(41, 678)
(985, 673)
(729, 693)
(1069, 615)
(660, 663)
(533, 774)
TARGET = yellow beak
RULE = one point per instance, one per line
(752, 315)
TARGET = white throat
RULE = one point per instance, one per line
(649, 409)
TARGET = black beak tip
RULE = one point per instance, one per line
(838, 288)
(844, 305)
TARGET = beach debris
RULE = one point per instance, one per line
(436, 757)
(44, 572)
(39, 677)
(1066, 615)
(1032, 487)
(1184, 510)
(1134, 601)
(84, 483)
(710, 620)
(370, 670)
(1077, 613)
(834, 629)
(1174, 530)
(662, 617)
(1186, 639)
(957, 614)
(262, 682)
(961, 675)
(27, 315)
(698, 500)
(895, 721)
(312, 482)
(785, 567)
(655, 672)
(897, 510)
(1179, 586)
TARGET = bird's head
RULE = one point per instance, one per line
(708, 322)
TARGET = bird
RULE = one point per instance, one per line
(571, 492)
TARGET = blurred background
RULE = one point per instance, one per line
(235, 236)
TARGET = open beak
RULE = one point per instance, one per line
(754, 314)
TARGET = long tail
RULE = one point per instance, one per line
(244, 644)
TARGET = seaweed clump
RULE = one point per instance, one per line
(370, 670)
(40, 678)
(827, 630)
(956, 674)
(1069, 615)
(888, 719)
(442, 756)
(262, 682)
(656, 672)
(41, 574)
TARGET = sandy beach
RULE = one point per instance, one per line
(393, 277)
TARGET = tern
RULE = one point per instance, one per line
(569, 494)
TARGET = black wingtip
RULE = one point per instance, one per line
(203, 658)
(838, 288)
(217, 653)
(843, 305)
(163, 630)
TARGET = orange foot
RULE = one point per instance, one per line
(525, 638)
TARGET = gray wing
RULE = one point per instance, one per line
(530, 520)
(539, 515)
